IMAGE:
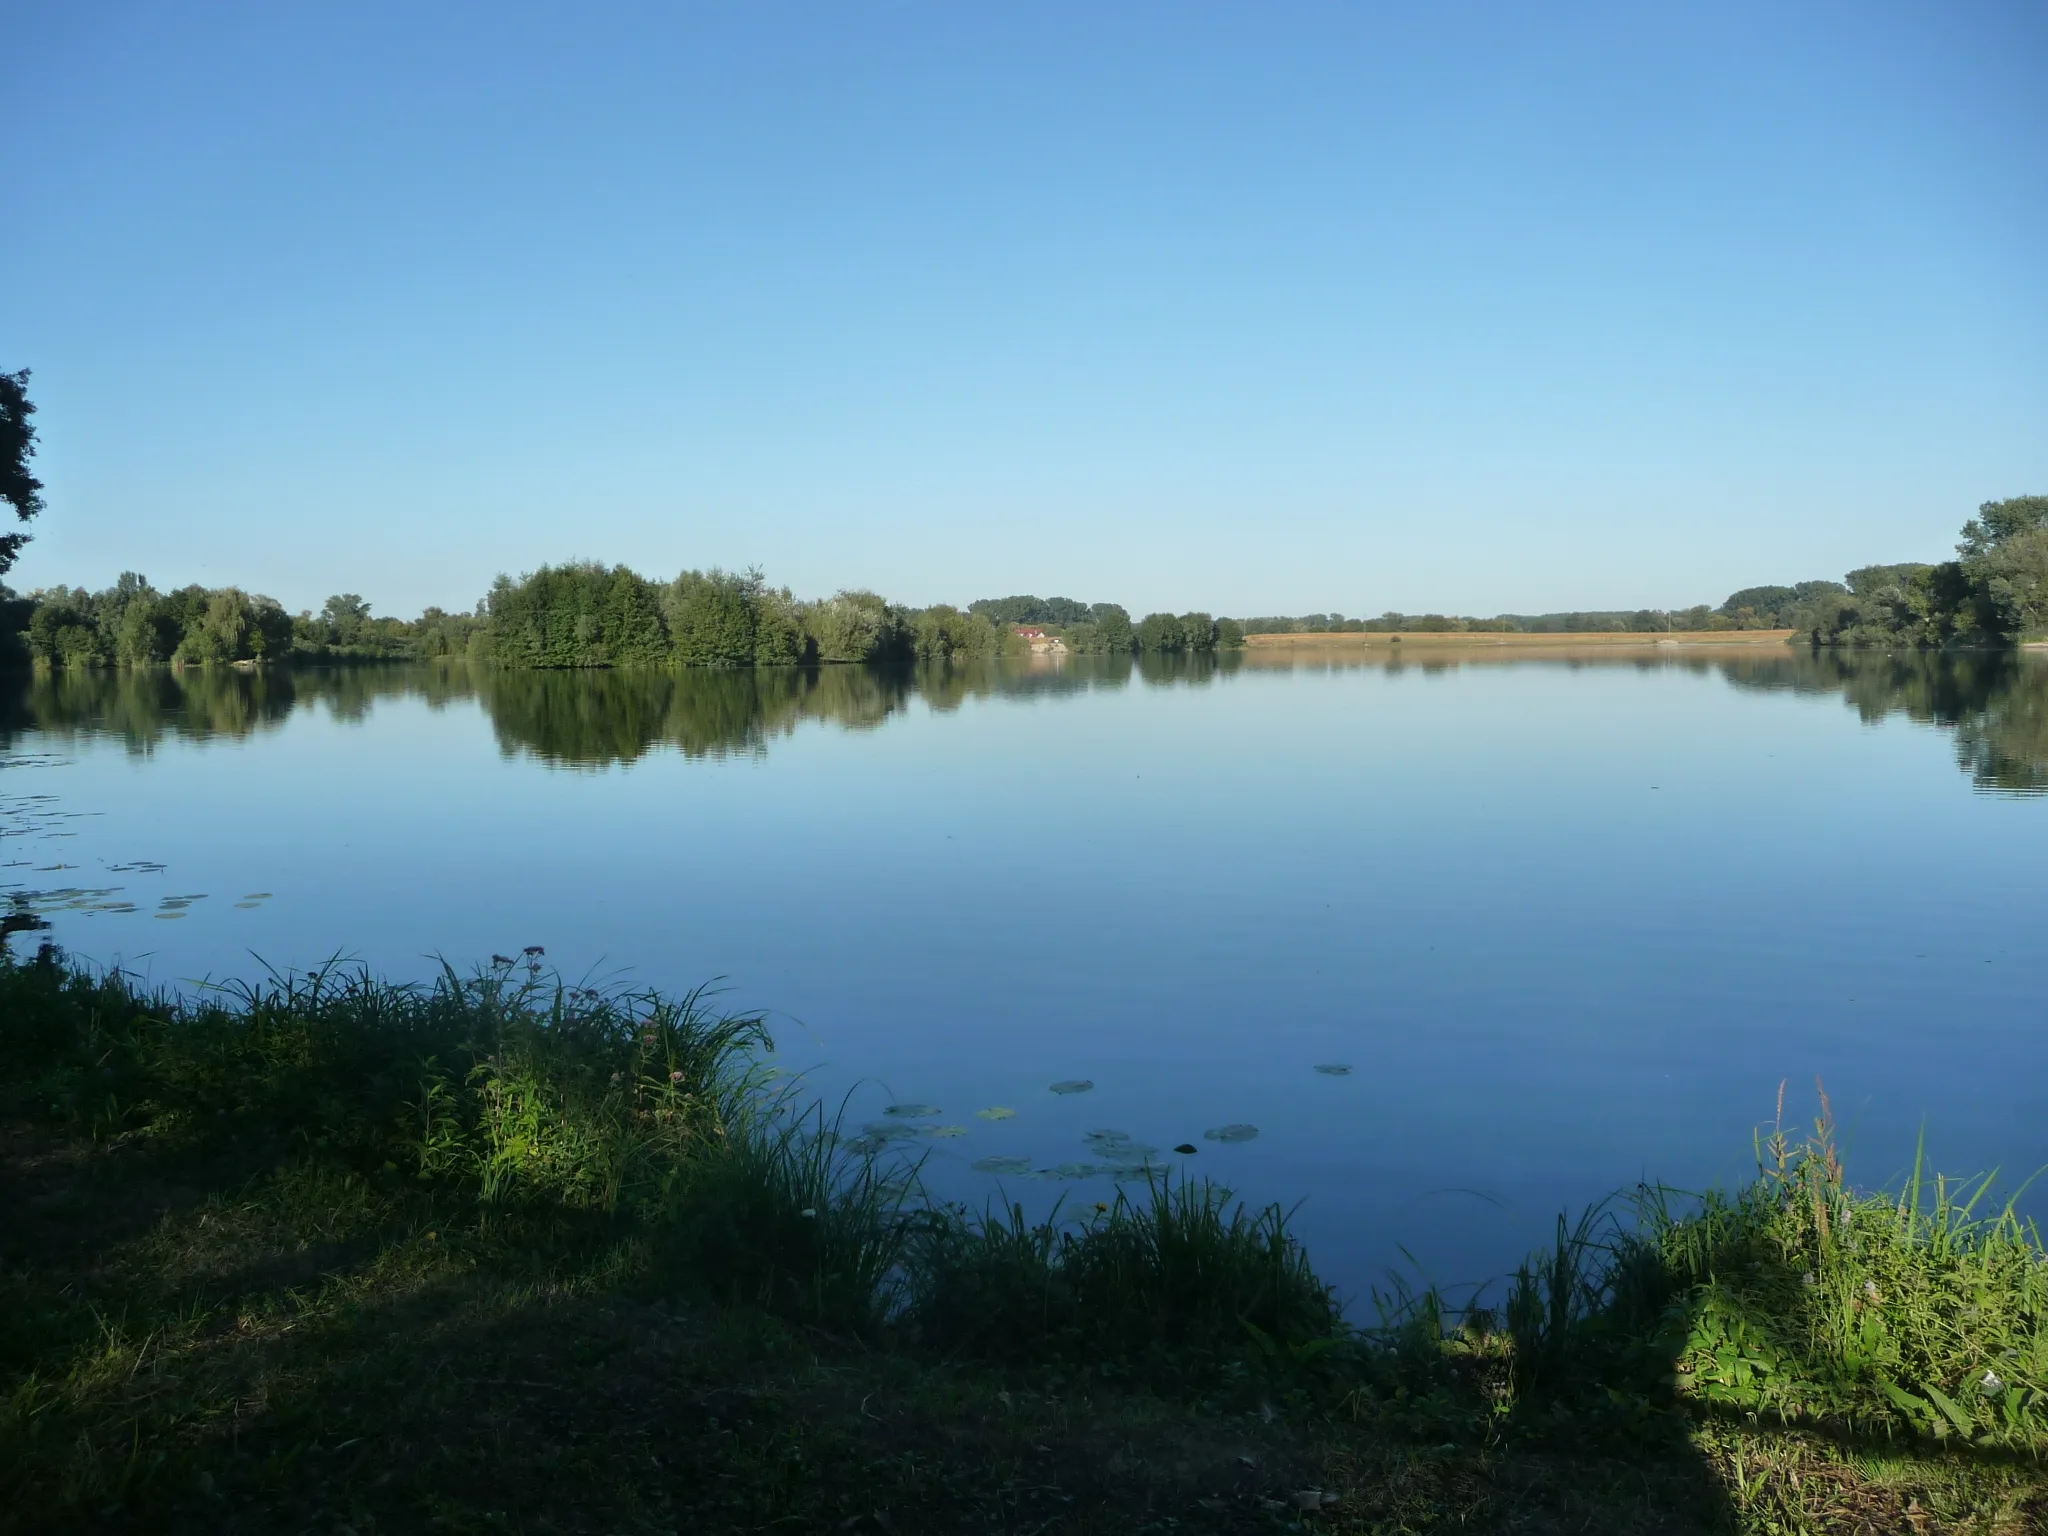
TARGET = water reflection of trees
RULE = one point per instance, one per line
(594, 718)
(1995, 704)
(143, 706)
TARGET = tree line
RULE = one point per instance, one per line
(578, 616)
(583, 615)
(1993, 594)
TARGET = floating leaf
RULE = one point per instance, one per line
(1142, 1168)
(882, 1130)
(1334, 1069)
(1231, 1133)
(167, 917)
(248, 906)
(995, 1113)
(1186, 1149)
(1073, 1085)
(948, 1132)
(1071, 1171)
(911, 1111)
(257, 896)
(1002, 1165)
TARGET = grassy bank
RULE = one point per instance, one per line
(500, 1254)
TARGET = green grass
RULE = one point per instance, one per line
(498, 1253)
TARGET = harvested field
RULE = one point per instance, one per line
(1475, 640)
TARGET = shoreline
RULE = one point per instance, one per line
(518, 1243)
(1483, 640)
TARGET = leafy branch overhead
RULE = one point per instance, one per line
(18, 488)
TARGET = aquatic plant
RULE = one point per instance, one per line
(511, 1102)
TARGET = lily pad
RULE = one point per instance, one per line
(1231, 1133)
(997, 1112)
(1002, 1165)
(1070, 1172)
(884, 1130)
(1186, 1149)
(1334, 1069)
(947, 1132)
(1073, 1085)
(911, 1111)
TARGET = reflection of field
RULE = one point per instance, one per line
(1474, 640)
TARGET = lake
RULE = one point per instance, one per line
(1568, 920)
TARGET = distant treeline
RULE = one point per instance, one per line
(581, 615)
(1994, 594)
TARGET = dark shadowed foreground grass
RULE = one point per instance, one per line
(497, 1254)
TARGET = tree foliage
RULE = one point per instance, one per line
(18, 488)
(585, 615)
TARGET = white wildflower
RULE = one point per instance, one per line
(1807, 1280)
(809, 1210)
(1992, 1384)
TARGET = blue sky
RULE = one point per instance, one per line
(1257, 308)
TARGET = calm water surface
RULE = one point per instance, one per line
(1569, 921)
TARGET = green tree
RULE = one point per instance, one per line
(1229, 635)
(1159, 634)
(1994, 524)
(856, 625)
(1197, 632)
(779, 636)
(584, 615)
(148, 632)
(344, 615)
(18, 488)
(714, 617)
(62, 633)
(943, 633)
(269, 636)
(2012, 578)
(1113, 625)
(222, 632)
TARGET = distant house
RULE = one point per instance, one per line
(1040, 642)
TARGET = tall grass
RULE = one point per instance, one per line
(1924, 1307)
(1917, 1311)
(509, 1082)
(549, 1107)
(1180, 1269)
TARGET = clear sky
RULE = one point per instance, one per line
(1268, 307)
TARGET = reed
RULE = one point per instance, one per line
(616, 1141)
(1182, 1270)
(1922, 1308)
